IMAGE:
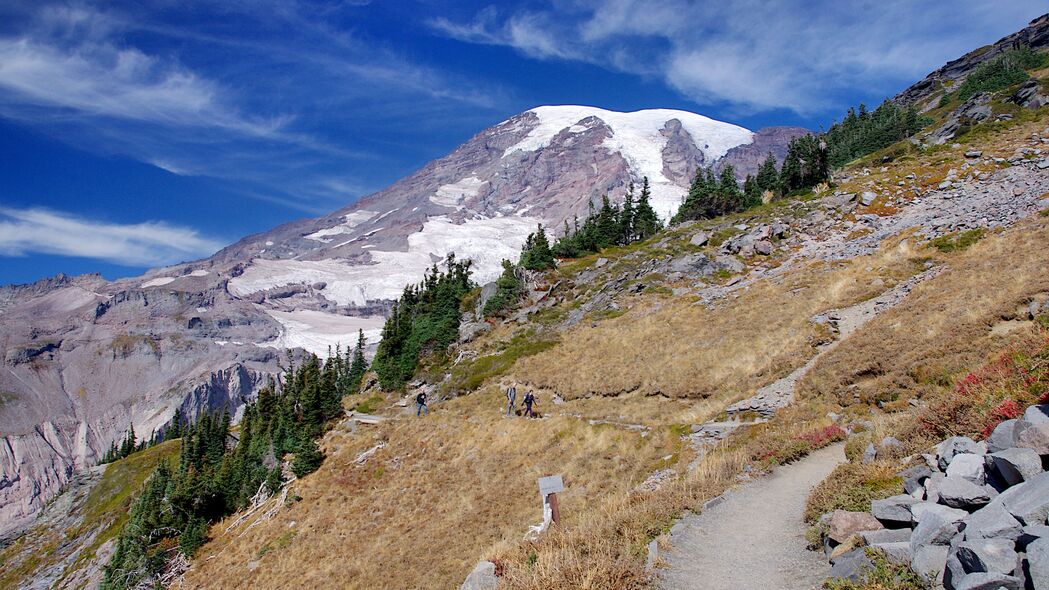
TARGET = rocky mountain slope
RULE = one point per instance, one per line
(659, 365)
(84, 358)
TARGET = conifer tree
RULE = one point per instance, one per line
(508, 290)
(767, 178)
(646, 221)
(307, 457)
(626, 218)
(358, 366)
(537, 254)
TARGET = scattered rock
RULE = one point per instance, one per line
(1036, 437)
(852, 565)
(921, 509)
(882, 536)
(987, 555)
(957, 445)
(1029, 501)
(895, 511)
(958, 492)
(1006, 434)
(763, 247)
(1036, 414)
(988, 581)
(481, 578)
(700, 239)
(1015, 465)
(1038, 563)
(932, 529)
(867, 198)
(929, 562)
(992, 521)
(968, 467)
(843, 524)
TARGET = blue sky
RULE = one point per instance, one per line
(136, 134)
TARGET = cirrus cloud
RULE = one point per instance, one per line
(151, 243)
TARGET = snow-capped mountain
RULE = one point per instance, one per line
(83, 358)
(481, 201)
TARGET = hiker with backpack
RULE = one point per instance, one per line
(511, 397)
(420, 402)
(529, 401)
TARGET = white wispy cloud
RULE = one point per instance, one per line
(151, 243)
(752, 54)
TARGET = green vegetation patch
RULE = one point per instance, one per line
(469, 375)
(1001, 72)
(958, 241)
(885, 575)
(852, 487)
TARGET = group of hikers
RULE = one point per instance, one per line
(511, 402)
(511, 397)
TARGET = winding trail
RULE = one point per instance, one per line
(753, 537)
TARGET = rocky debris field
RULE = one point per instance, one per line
(974, 515)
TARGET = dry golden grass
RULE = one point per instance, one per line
(607, 547)
(423, 510)
(678, 349)
(945, 326)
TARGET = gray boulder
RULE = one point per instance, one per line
(1037, 568)
(969, 467)
(1029, 501)
(885, 536)
(894, 512)
(1005, 435)
(1031, 533)
(481, 578)
(763, 247)
(932, 530)
(957, 445)
(929, 562)
(700, 239)
(922, 509)
(1037, 414)
(988, 555)
(992, 522)
(867, 198)
(988, 581)
(1015, 465)
(1035, 437)
(957, 492)
(898, 552)
(870, 454)
(851, 566)
(914, 478)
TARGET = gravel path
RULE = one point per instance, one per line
(753, 538)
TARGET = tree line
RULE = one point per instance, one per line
(220, 472)
(423, 321)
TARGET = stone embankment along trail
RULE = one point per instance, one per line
(753, 537)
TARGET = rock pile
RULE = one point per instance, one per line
(973, 515)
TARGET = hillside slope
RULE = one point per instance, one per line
(632, 347)
(84, 359)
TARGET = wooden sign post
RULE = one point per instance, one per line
(548, 488)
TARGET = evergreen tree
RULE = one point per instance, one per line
(307, 457)
(358, 366)
(508, 290)
(626, 218)
(537, 254)
(646, 221)
(767, 178)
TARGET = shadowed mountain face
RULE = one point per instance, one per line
(84, 358)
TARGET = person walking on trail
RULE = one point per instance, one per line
(420, 403)
(529, 401)
(511, 397)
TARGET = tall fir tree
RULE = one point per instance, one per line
(646, 221)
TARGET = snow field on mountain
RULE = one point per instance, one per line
(638, 137)
(316, 331)
(485, 241)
